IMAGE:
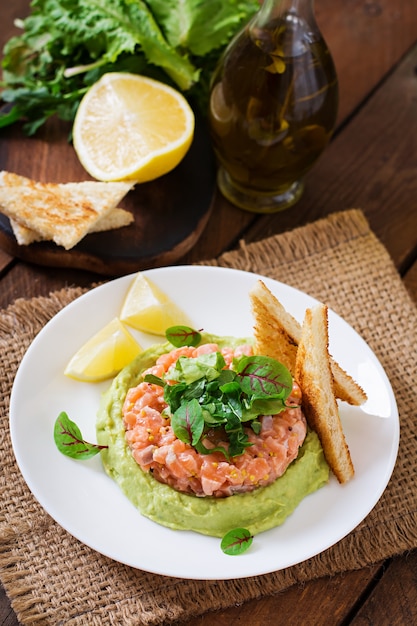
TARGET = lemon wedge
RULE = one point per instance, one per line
(130, 127)
(148, 308)
(104, 355)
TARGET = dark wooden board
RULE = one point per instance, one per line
(170, 212)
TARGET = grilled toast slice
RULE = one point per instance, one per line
(313, 374)
(277, 334)
(116, 218)
(64, 212)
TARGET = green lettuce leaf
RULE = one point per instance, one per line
(66, 45)
(201, 26)
(72, 32)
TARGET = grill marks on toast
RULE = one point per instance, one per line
(64, 212)
(116, 218)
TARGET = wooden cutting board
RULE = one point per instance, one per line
(170, 212)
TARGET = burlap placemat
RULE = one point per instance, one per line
(53, 579)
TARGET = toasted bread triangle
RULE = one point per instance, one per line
(277, 334)
(313, 374)
(115, 218)
(63, 212)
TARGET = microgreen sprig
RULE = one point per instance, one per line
(207, 395)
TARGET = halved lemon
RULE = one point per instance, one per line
(104, 355)
(129, 127)
(147, 308)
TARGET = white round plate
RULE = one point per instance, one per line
(89, 505)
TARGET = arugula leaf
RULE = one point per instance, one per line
(66, 45)
(154, 380)
(69, 440)
(201, 448)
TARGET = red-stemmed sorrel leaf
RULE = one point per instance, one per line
(181, 336)
(236, 541)
(188, 423)
(207, 395)
(69, 440)
(264, 377)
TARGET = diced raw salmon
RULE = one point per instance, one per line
(156, 449)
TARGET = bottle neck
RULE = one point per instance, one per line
(274, 9)
(287, 26)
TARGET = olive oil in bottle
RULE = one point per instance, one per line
(273, 106)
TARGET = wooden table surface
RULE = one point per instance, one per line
(371, 164)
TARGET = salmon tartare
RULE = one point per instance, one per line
(270, 442)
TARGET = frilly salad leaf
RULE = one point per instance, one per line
(66, 45)
(201, 26)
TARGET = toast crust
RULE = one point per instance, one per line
(277, 334)
(313, 374)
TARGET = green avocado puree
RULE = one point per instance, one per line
(257, 511)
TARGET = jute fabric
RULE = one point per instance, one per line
(52, 579)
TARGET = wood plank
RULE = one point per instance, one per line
(5, 260)
(7, 615)
(397, 591)
(366, 40)
(10, 11)
(27, 281)
(325, 601)
(160, 233)
(225, 227)
(410, 281)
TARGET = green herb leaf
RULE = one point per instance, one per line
(181, 336)
(236, 541)
(189, 369)
(154, 380)
(264, 377)
(173, 395)
(187, 422)
(207, 395)
(69, 440)
(66, 45)
(201, 26)
(201, 448)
